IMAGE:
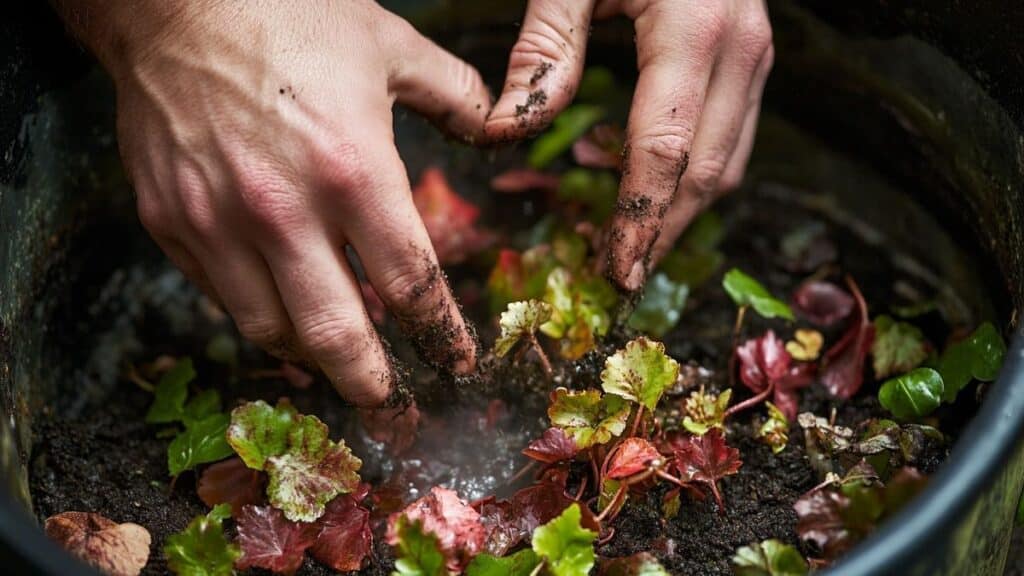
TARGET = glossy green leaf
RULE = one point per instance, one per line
(979, 357)
(898, 347)
(258, 431)
(519, 322)
(588, 417)
(569, 125)
(566, 547)
(202, 549)
(746, 291)
(170, 393)
(417, 553)
(912, 395)
(769, 558)
(202, 405)
(661, 306)
(640, 372)
(202, 441)
(522, 563)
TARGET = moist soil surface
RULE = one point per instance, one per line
(96, 454)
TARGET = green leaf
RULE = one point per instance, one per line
(980, 357)
(567, 547)
(661, 306)
(898, 347)
(520, 321)
(202, 441)
(595, 189)
(202, 549)
(310, 472)
(223, 349)
(595, 85)
(572, 123)
(258, 431)
(418, 553)
(588, 417)
(705, 411)
(769, 558)
(640, 372)
(745, 291)
(205, 404)
(912, 395)
(579, 310)
(170, 393)
(774, 431)
(521, 563)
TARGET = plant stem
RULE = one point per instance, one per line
(737, 327)
(636, 421)
(522, 472)
(583, 486)
(619, 494)
(544, 362)
(718, 497)
(539, 567)
(752, 401)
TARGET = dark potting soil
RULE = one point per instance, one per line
(97, 454)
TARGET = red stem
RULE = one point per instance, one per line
(718, 497)
(544, 362)
(636, 421)
(583, 486)
(752, 401)
(522, 472)
(619, 494)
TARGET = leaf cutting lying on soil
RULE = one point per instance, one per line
(345, 540)
(115, 549)
(979, 356)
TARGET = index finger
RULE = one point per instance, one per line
(667, 105)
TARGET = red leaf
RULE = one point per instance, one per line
(456, 525)
(553, 446)
(764, 361)
(524, 180)
(631, 457)
(450, 220)
(822, 303)
(843, 371)
(232, 482)
(601, 147)
(707, 459)
(345, 538)
(820, 521)
(397, 428)
(271, 541)
(511, 522)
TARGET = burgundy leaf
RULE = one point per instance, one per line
(553, 446)
(511, 522)
(707, 459)
(820, 520)
(231, 482)
(524, 180)
(822, 303)
(765, 361)
(601, 147)
(843, 371)
(450, 220)
(456, 525)
(345, 538)
(271, 541)
(631, 457)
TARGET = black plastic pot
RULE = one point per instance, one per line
(927, 95)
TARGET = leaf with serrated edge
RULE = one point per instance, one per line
(567, 547)
(272, 542)
(202, 549)
(898, 347)
(640, 372)
(258, 431)
(588, 417)
(520, 321)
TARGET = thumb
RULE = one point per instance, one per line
(440, 86)
(544, 68)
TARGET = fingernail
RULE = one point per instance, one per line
(636, 277)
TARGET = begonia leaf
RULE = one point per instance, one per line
(553, 446)
(520, 321)
(565, 545)
(170, 394)
(632, 456)
(706, 459)
(912, 395)
(271, 541)
(703, 411)
(201, 442)
(769, 558)
(588, 417)
(231, 482)
(202, 549)
(456, 526)
(345, 539)
(746, 291)
(640, 372)
(898, 347)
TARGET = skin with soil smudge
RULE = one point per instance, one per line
(107, 460)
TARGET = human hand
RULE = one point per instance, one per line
(703, 65)
(258, 137)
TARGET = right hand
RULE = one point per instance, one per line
(258, 137)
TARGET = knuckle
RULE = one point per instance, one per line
(705, 175)
(713, 24)
(332, 335)
(263, 331)
(754, 36)
(343, 166)
(198, 212)
(412, 291)
(152, 215)
(273, 207)
(541, 42)
(668, 145)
